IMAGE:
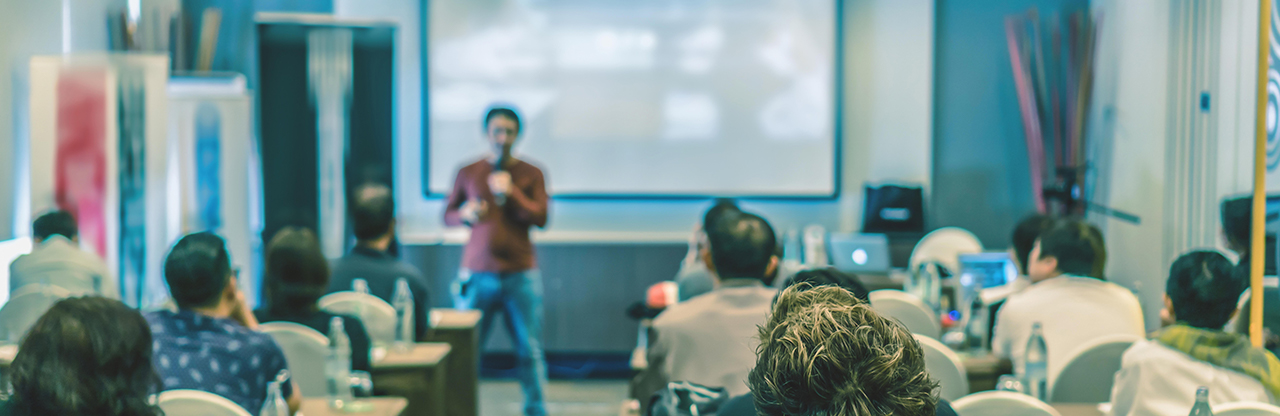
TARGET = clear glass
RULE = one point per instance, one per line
(402, 300)
(338, 366)
(361, 384)
(1009, 382)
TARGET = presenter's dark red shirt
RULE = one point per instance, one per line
(500, 239)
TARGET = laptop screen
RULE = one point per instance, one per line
(988, 269)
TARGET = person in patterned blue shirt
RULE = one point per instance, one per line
(210, 343)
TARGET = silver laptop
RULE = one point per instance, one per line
(860, 253)
(988, 270)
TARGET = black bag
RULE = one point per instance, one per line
(893, 209)
(682, 398)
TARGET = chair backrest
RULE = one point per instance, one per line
(305, 349)
(198, 403)
(945, 367)
(25, 307)
(378, 317)
(1001, 403)
(908, 309)
(944, 246)
(1091, 371)
(1246, 409)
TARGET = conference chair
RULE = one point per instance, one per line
(907, 309)
(378, 317)
(26, 306)
(944, 246)
(944, 366)
(305, 350)
(1091, 371)
(1246, 409)
(198, 403)
(1001, 403)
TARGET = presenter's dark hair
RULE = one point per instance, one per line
(373, 211)
(1077, 245)
(297, 272)
(53, 223)
(197, 270)
(742, 244)
(501, 111)
(85, 356)
(1025, 235)
(1204, 289)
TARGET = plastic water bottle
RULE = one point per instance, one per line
(925, 283)
(359, 285)
(402, 300)
(337, 366)
(275, 404)
(1201, 407)
(979, 316)
(1035, 365)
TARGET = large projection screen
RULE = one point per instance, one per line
(625, 98)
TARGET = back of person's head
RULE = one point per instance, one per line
(197, 270)
(1204, 290)
(53, 223)
(1236, 219)
(373, 211)
(825, 353)
(85, 356)
(742, 246)
(718, 210)
(297, 272)
(829, 276)
(1078, 247)
(1025, 235)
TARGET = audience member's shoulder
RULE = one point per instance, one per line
(689, 310)
(1146, 351)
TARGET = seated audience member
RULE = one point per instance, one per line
(825, 353)
(1236, 230)
(57, 260)
(1071, 307)
(1024, 239)
(709, 340)
(85, 356)
(373, 217)
(745, 405)
(1160, 376)
(694, 278)
(296, 277)
(210, 343)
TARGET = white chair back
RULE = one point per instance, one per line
(944, 246)
(907, 309)
(1246, 409)
(945, 367)
(25, 307)
(198, 403)
(305, 349)
(1001, 403)
(378, 317)
(1091, 371)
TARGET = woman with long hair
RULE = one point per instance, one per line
(85, 356)
(297, 275)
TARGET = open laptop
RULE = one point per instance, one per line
(859, 253)
(990, 270)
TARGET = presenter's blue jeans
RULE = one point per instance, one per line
(518, 296)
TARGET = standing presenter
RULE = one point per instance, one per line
(500, 198)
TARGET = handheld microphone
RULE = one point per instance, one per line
(500, 166)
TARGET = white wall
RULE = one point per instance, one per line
(887, 121)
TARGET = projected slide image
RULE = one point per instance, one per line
(641, 98)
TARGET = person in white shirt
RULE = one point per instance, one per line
(694, 278)
(1160, 376)
(57, 260)
(1072, 305)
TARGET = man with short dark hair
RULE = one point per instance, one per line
(694, 278)
(210, 343)
(710, 339)
(373, 219)
(1237, 230)
(1072, 306)
(1160, 376)
(57, 260)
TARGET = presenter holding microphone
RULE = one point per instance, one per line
(501, 197)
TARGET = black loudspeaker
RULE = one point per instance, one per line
(893, 209)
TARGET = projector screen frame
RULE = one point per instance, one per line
(836, 136)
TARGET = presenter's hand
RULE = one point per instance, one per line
(473, 210)
(500, 182)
